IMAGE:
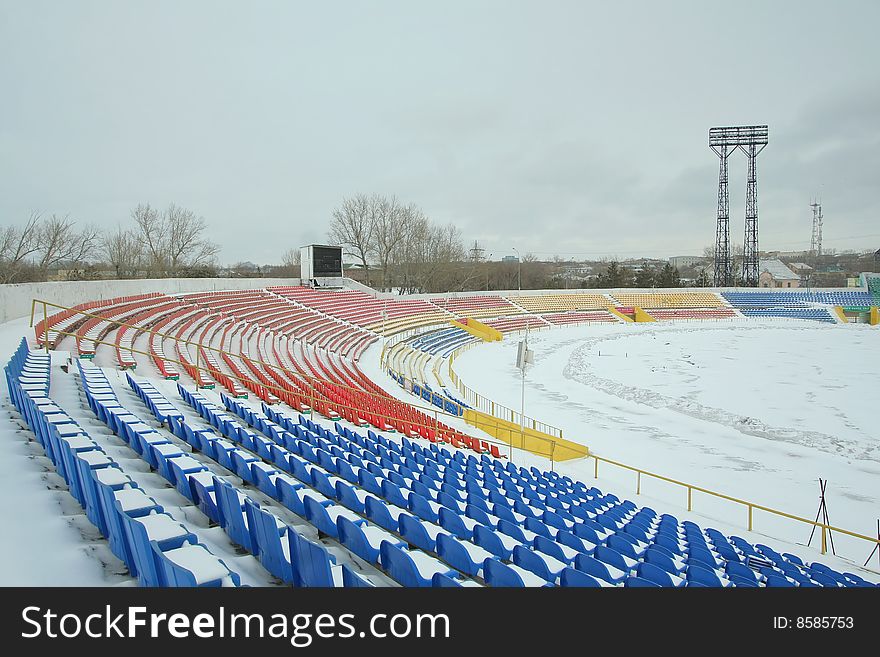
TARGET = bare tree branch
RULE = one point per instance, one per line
(124, 250)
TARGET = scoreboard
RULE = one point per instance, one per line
(320, 261)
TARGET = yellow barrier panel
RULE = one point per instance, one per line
(536, 442)
(642, 315)
(478, 329)
(841, 314)
(614, 311)
(875, 316)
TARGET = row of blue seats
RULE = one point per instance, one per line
(738, 561)
(770, 299)
(113, 502)
(441, 342)
(140, 532)
(444, 402)
(283, 551)
(312, 493)
(816, 314)
(491, 533)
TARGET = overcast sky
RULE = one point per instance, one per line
(570, 128)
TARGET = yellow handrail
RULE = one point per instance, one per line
(751, 506)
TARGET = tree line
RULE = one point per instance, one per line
(159, 243)
(616, 276)
(398, 247)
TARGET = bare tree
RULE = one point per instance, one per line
(174, 240)
(151, 233)
(187, 246)
(59, 242)
(391, 228)
(125, 251)
(414, 250)
(353, 225)
(16, 245)
(291, 259)
(437, 254)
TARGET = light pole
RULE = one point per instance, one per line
(488, 261)
(518, 270)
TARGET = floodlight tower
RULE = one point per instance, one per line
(816, 241)
(751, 140)
(722, 229)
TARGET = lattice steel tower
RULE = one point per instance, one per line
(816, 241)
(723, 272)
(751, 140)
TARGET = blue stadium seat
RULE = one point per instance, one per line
(419, 505)
(639, 582)
(191, 565)
(363, 539)
(401, 566)
(626, 546)
(614, 558)
(154, 527)
(491, 541)
(542, 565)
(349, 498)
(379, 513)
(313, 565)
(232, 515)
(416, 533)
(575, 542)
(778, 581)
(499, 574)
(455, 524)
(318, 514)
(657, 575)
(571, 577)
(466, 558)
(587, 564)
(740, 570)
(269, 536)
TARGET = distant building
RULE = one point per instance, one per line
(774, 274)
(509, 259)
(681, 262)
(800, 268)
(790, 255)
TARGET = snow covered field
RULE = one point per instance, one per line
(753, 409)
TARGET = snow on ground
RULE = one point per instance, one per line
(753, 409)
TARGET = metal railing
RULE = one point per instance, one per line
(750, 507)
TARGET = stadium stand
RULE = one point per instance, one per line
(669, 300)
(551, 303)
(693, 313)
(796, 299)
(447, 512)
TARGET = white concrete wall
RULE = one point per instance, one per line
(15, 299)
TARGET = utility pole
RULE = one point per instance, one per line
(816, 240)
(476, 252)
